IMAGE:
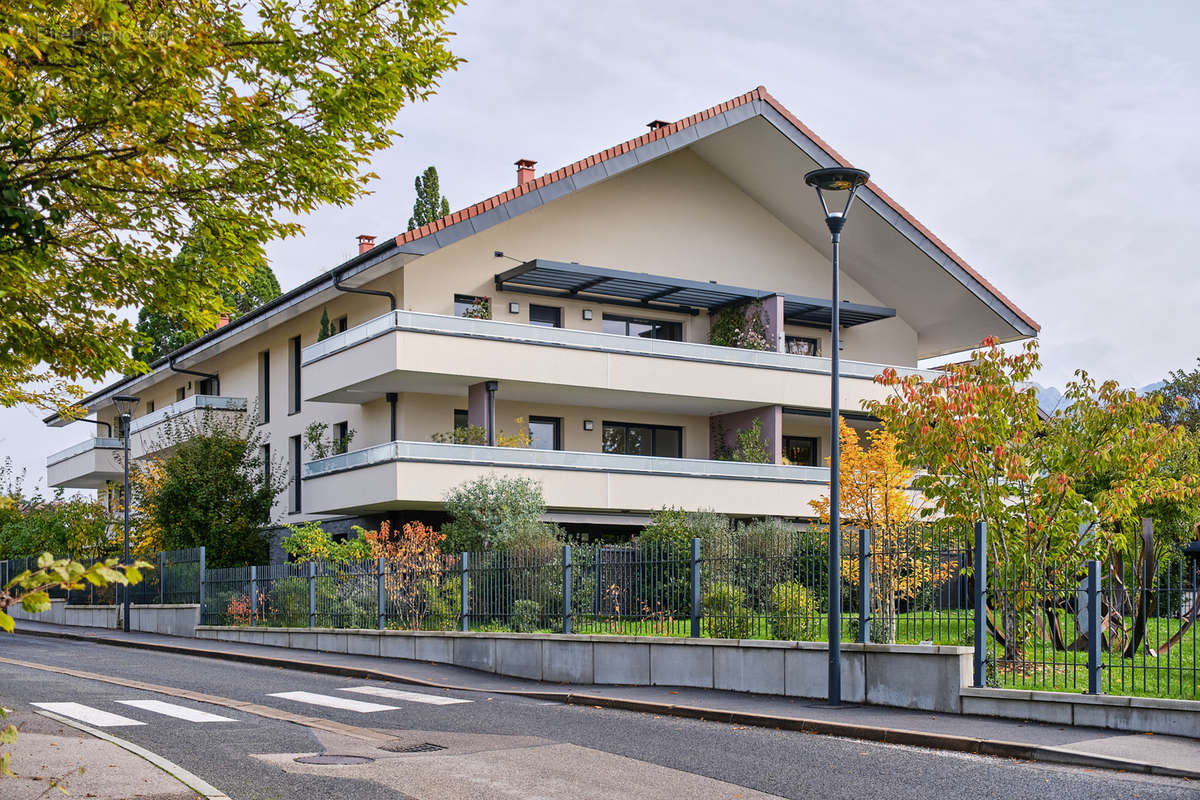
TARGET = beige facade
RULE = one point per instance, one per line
(702, 207)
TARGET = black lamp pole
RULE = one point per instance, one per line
(830, 180)
(125, 404)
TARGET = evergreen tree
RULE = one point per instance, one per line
(430, 204)
(326, 331)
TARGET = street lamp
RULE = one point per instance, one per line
(831, 180)
(125, 404)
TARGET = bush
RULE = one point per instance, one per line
(526, 616)
(492, 512)
(726, 612)
(443, 603)
(794, 612)
(289, 603)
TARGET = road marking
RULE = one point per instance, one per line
(330, 701)
(92, 716)
(172, 710)
(399, 694)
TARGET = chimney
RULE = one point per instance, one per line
(365, 243)
(524, 171)
(223, 321)
(655, 124)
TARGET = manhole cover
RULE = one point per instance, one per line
(332, 759)
(400, 747)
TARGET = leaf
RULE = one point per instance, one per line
(36, 602)
(7, 624)
(8, 735)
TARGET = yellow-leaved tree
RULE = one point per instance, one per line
(875, 495)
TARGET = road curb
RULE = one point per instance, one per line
(188, 779)
(1020, 751)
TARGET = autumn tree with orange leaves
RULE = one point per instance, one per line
(413, 570)
(874, 490)
(1054, 490)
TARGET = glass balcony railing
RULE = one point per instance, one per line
(440, 324)
(98, 443)
(514, 457)
(195, 402)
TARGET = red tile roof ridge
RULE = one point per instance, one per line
(758, 93)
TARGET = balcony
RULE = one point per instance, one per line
(419, 474)
(155, 432)
(407, 351)
(88, 465)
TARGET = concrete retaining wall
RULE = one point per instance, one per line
(1141, 714)
(909, 676)
(176, 620)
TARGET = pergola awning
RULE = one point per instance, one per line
(621, 287)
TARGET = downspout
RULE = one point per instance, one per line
(337, 284)
(491, 387)
(212, 375)
(391, 399)
(97, 422)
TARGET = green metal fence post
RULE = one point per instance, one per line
(202, 576)
(312, 594)
(864, 586)
(465, 614)
(381, 600)
(566, 572)
(694, 571)
(1094, 633)
(980, 604)
(253, 594)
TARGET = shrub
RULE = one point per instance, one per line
(491, 512)
(726, 612)
(794, 612)
(443, 603)
(526, 616)
(309, 541)
(469, 434)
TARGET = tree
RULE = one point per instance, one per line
(873, 486)
(496, 512)
(326, 329)
(75, 526)
(123, 126)
(1180, 395)
(989, 456)
(163, 332)
(430, 204)
(215, 491)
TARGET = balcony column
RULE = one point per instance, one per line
(481, 408)
(728, 425)
(773, 316)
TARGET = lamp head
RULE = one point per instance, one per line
(126, 403)
(836, 179)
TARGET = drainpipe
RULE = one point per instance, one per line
(391, 399)
(491, 387)
(337, 284)
(97, 422)
(214, 376)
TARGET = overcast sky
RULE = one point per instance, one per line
(1054, 146)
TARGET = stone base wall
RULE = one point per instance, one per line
(175, 620)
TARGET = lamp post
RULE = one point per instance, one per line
(125, 404)
(835, 179)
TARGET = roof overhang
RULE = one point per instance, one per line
(621, 287)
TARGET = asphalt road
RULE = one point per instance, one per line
(501, 746)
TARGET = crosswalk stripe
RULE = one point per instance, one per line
(399, 694)
(92, 716)
(333, 702)
(172, 710)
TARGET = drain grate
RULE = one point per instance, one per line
(333, 759)
(424, 747)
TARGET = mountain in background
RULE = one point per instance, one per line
(1050, 398)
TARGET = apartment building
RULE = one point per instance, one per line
(580, 302)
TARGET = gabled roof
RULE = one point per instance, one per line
(697, 121)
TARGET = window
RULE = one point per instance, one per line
(341, 432)
(294, 375)
(802, 345)
(264, 386)
(643, 440)
(340, 324)
(208, 386)
(461, 418)
(296, 454)
(801, 450)
(545, 316)
(180, 393)
(265, 454)
(149, 406)
(645, 328)
(471, 305)
(545, 433)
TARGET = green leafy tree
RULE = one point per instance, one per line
(214, 491)
(1180, 395)
(125, 126)
(75, 526)
(430, 204)
(497, 512)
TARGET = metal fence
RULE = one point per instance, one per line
(175, 578)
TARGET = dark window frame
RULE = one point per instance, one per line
(207, 387)
(264, 387)
(265, 452)
(814, 340)
(814, 443)
(294, 351)
(340, 431)
(558, 316)
(461, 415)
(673, 325)
(677, 429)
(557, 422)
(180, 393)
(341, 323)
(297, 454)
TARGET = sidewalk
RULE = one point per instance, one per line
(1087, 747)
(86, 766)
